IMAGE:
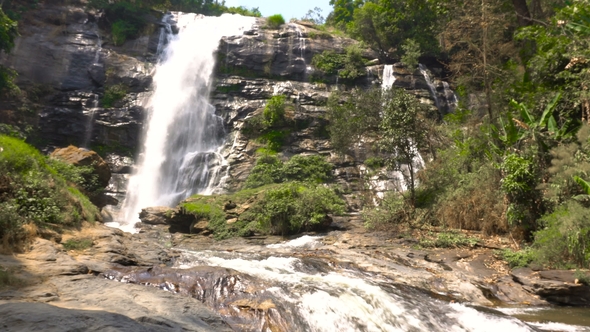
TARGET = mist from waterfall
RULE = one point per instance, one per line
(180, 154)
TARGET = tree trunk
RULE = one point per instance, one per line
(522, 12)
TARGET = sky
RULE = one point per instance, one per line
(288, 8)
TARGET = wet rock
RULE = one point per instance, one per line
(83, 157)
(241, 299)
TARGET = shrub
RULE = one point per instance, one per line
(7, 278)
(274, 111)
(121, 30)
(516, 259)
(411, 53)
(34, 192)
(113, 94)
(564, 240)
(270, 169)
(275, 21)
(292, 208)
(348, 66)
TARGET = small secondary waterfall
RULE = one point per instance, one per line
(388, 77)
(452, 100)
(90, 113)
(431, 86)
(180, 154)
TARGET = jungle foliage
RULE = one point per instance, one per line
(514, 157)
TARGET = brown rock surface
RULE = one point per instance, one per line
(83, 157)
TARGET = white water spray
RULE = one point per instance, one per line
(180, 154)
(388, 77)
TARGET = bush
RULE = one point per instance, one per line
(275, 21)
(292, 208)
(348, 66)
(283, 209)
(516, 259)
(270, 169)
(564, 240)
(121, 30)
(113, 94)
(32, 191)
(274, 111)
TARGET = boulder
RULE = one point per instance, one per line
(84, 157)
(162, 215)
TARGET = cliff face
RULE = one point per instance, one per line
(69, 72)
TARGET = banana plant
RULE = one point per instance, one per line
(537, 128)
(585, 186)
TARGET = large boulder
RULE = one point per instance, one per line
(84, 157)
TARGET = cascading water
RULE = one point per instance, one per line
(180, 154)
(388, 77)
(90, 113)
(321, 298)
(431, 86)
(451, 97)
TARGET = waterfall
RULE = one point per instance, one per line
(451, 97)
(181, 143)
(165, 31)
(388, 77)
(399, 177)
(430, 84)
(94, 104)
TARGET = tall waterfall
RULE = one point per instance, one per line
(180, 154)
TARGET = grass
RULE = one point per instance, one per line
(7, 278)
(448, 239)
(77, 244)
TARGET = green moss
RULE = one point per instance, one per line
(77, 244)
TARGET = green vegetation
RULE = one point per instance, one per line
(273, 126)
(275, 21)
(7, 278)
(348, 66)
(270, 169)
(282, 209)
(113, 94)
(77, 244)
(448, 240)
(516, 259)
(8, 32)
(33, 191)
(517, 161)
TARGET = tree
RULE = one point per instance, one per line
(8, 32)
(391, 118)
(343, 11)
(478, 38)
(386, 24)
(403, 131)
